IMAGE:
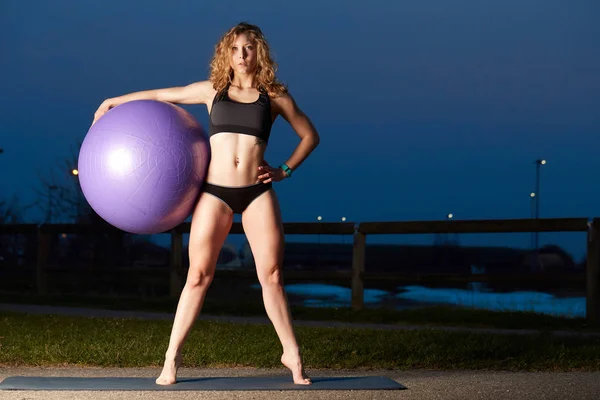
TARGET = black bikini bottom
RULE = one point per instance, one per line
(237, 198)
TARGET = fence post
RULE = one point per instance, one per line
(42, 260)
(176, 263)
(593, 273)
(358, 267)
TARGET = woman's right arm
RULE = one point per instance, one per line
(194, 93)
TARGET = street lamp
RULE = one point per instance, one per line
(445, 239)
(538, 163)
(449, 237)
(532, 215)
(75, 173)
(343, 236)
(319, 234)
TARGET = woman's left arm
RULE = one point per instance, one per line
(302, 125)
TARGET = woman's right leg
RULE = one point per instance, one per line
(211, 222)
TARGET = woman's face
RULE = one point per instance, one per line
(243, 55)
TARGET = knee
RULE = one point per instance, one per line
(271, 275)
(199, 277)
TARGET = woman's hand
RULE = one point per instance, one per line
(269, 174)
(103, 109)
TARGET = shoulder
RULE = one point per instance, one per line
(284, 103)
(204, 85)
(204, 89)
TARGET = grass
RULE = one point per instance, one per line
(36, 340)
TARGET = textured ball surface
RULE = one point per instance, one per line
(142, 165)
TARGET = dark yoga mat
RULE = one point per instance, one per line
(219, 383)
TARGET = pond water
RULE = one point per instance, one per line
(323, 295)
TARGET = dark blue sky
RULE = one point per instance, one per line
(424, 108)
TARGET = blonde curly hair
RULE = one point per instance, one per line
(221, 72)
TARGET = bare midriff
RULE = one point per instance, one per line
(235, 159)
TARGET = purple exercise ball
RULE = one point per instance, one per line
(142, 165)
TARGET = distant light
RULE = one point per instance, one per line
(75, 172)
(343, 218)
(64, 235)
(319, 217)
(532, 194)
(543, 162)
(450, 216)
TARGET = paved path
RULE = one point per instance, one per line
(421, 385)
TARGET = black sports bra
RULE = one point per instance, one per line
(228, 115)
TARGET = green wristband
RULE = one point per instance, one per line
(286, 169)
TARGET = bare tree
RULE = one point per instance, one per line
(12, 246)
(10, 212)
(59, 194)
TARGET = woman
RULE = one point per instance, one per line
(243, 98)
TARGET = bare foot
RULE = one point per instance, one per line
(294, 363)
(168, 376)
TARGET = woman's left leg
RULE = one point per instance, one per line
(263, 227)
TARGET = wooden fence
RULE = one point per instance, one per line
(357, 275)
